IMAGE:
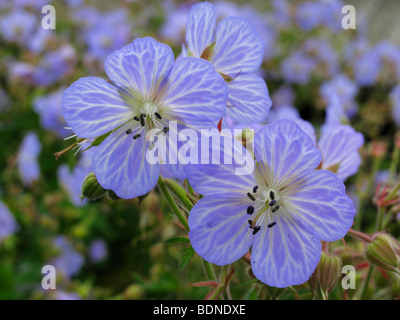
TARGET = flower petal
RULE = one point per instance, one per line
(248, 100)
(238, 47)
(92, 107)
(200, 28)
(141, 67)
(284, 151)
(318, 201)
(195, 92)
(225, 167)
(337, 144)
(120, 164)
(285, 254)
(219, 230)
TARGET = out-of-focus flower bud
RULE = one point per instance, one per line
(112, 195)
(326, 275)
(91, 189)
(384, 252)
(134, 292)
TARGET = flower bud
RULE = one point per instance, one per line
(91, 189)
(326, 275)
(112, 195)
(384, 252)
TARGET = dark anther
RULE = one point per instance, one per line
(166, 129)
(129, 131)
(136, 118)
(256, 229)
(157, 115)
(270, 225)
(251, 196)
(136, 136)
(255, 189)
(272, 195)
(250, 210)
(274, 209)
(272, 203)
(250, 222)
(142, 119)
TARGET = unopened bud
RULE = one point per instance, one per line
(325, 275)
(91, 189)
(112, 195)
(384, 252)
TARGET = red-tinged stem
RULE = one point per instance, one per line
(359, 235)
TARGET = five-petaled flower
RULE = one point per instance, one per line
(236, 51)
(147, 91)
(282, 210)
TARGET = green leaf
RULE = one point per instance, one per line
(187, 255)
(178, 240)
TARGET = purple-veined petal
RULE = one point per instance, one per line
(308, 128)
(349, 166)
(337, 144)
(219, 230)
(141, 67)
(225, 166)
(194, 92)
(284, 151)
(92, 107)
(248, 100)
(238, 47)
(285, 254)
(318, 201)
(200, 28)
(120, 164)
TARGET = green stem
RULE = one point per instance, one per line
(172, 203)
(366, 282)
(395, 161)
(209, 270)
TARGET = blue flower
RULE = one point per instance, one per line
(236, 51)
(8, 225)
(98, 250)
(339, 146)
(28, 165)
(298, 67)
(367, 68)
(69, 261)
(147, 90)
(395, 100)
(17, 26)
(282, 210)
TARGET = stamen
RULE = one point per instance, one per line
(250, 222)
(270, 225)
(142, 119)
(157, 115)
(251, 196)
(256, 229)
(272, 195)
(274, 209)
(255, 189)
(136, 136)
(151, 147)
(165, 129)
(136, 118)
(272, 203)
(159, 132)
(250, 210)
(129, 131)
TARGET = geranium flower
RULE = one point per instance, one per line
(236, 51)
(147, 90)
(27, 159)
(281, 211)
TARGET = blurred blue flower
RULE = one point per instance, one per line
(27, 159)
(284, 96)
(148, 90)
(8, 225)
(17, 26)
(236, 51)
(367, 68)
(68, 262)
(49, 108)
(395, 101)
(98, 250)
(297, 68)
(323, 54)
(310, 15)
(283, 209)
(63, 295)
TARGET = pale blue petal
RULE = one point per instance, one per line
(195, 92)
(284, 255)
(318, 201)
(284, 152)
(219, 231)
(228, 168)
(308, 128)
(338, 146)
(92, 107)
(248, 100)
(200, 28)
(141, 67)
(120, 164)
(238, 47)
